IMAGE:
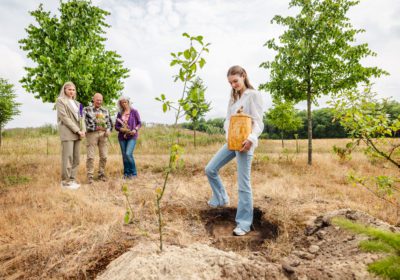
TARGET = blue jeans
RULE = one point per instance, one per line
(127, 147)
(244, 214)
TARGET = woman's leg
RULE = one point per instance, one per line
(123, 144)
(244, 214)
(129, 154)
(222, 157)
(67, 148)
(76, 159)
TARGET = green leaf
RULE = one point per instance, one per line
(165, 107)
(186, 54)
(202, 61)
(124, 189)
(127, 217)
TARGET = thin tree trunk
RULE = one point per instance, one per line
(194, 137)
(309, 125)
(282, 139)
(0, 135)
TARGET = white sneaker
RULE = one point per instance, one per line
(239, 232)
(74, 185)
(70, 185)
(226, 204)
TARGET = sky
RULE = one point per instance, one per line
(144, 33)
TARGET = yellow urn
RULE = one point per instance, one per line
(239, 130)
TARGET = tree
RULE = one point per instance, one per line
(366, 120)
(71, 48)
(317, 55)
(195, 105)
(8, 106)
(283, 116)
(189, 61)
(325, 125)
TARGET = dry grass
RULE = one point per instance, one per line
(47, 232)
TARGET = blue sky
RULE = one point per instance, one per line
(144, 33)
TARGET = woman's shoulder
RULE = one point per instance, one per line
(253, 91)
(61, 100)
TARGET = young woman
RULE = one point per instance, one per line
(72, 130)
(242, 95)
(128, 124)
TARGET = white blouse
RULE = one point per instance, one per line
(253, 105)
(74, 106)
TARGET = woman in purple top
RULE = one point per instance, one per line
(128, 124)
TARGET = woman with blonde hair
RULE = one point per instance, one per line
(127, 124)
(72, 129)
(243, 96)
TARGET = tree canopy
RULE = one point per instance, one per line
(8, 105)
(71, 48)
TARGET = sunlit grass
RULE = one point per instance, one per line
(47, 232)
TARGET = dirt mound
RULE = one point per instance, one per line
(326, 251)
(198, 261)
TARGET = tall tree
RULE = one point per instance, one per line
(8, 106)
(195, 104)
(317, 55)
(283, 116)
(71, 48)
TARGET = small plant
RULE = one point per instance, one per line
(128, 217)
(286, 156)
(16, 180)
(190, 60)
(195, 105)
(296, 136)
(381, 241)
(365, 119)
(383, 187)
(344, 154)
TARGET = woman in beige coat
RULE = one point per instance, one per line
(72, 130)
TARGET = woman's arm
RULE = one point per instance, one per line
(118, 123)
(257, 106)
(138, 121)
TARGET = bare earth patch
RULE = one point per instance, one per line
(220, 223)
(322, 251)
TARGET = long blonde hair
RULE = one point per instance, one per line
(238, 70)
(62, 91)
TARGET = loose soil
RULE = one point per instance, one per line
(220, 222)
(321, 251)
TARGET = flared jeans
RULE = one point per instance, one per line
(244, 214)
(127, 147)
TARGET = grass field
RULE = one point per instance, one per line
(47, 232)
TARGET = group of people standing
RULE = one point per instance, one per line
(93, 122)
(97, 126)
